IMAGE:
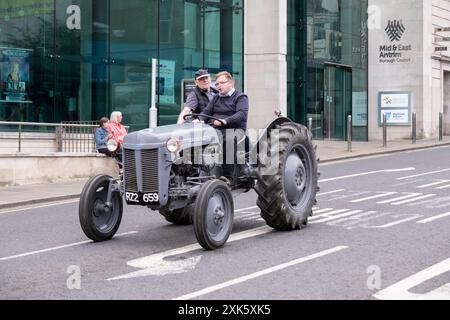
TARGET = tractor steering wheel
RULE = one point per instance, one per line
(209, 117)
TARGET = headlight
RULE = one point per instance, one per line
(173, 145)
(112, 145)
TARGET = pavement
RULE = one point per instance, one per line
(328, 151)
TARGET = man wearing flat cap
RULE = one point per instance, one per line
(199, 99)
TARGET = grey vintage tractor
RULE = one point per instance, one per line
(177, 170)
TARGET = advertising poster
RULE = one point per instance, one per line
(15, 74)
(166, 82)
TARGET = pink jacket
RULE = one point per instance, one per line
(118, 131)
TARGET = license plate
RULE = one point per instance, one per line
(141, 198)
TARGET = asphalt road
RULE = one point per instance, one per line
(380, 231)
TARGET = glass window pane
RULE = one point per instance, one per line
(27, 44)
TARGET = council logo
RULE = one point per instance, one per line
(395, 30)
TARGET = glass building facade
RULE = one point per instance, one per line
(327, 66)
(78, 60)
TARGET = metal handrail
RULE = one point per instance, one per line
(68, 137)
(40, 124)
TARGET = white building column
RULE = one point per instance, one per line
(265, 62)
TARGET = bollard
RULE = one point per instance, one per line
(414, 128)
(20, 138)
(384, 130)
(441, 126)
(349, 133)
(310, 124)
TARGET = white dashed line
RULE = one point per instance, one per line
(433, 184)
(60, 247)
(258, 274)
(385, 194)
(445, 215)
(414, 199)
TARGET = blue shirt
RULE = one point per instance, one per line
(101, 138)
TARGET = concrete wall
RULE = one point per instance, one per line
(30, 142)
(24, 169)
(446, 103)
(265, 63)
(440, 95)
(423, 76)
(397, 76)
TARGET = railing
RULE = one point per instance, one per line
(70, 137)
(76, 136)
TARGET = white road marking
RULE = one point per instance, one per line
(367, 173)
(384, 194)
(433, 184)
(316, 212)
(26, 208)
(401, 290)
(60, 247)
(248, 214)
(157, 265)
(253, 217)
(259, 274)
(395, 223)
(331, 192)
(352, 220)
(413, 200)
(328, 214)
(246, 209)
(347, 214)
(423, 174)
(443, 187)
(444, 215)
(408, 196)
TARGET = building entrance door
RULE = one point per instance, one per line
(337, 101)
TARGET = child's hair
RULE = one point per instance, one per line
(103, 121)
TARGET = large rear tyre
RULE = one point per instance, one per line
(99, 221)
(182, 217)
(287, 196)
(214, 212)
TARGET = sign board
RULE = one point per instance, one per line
(15, 74)
(360, 116)
(187, 86)
(396, 106)
(442, 29)
(396, 116)
(166, 82)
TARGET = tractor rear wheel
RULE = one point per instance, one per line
(287, 195)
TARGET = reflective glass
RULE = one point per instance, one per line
(324, 34)
(80, 60)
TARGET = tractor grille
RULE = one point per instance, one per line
(150, 176)
(149, 166)
(130, 171)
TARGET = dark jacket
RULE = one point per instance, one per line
(202, 99)
(233, 109)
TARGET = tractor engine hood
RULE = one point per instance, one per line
(189, 134)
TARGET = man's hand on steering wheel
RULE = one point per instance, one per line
(217, 122)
